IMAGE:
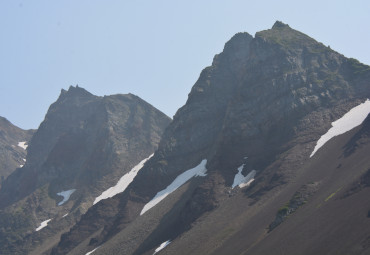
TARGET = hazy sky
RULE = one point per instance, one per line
(154, 49)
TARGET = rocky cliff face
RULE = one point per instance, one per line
(84, 145)
(262, 105)
(13, 147)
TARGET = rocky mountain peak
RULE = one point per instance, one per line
(288, 39)
(278, 24)
(84, 146)
(74, 95)
(237, 42)
(78, 91)
(79, 125)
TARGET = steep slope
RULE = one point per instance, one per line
(259, 110)
(13, 145)
(84, 146)
(332, 220)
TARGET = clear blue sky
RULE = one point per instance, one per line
(154, 49)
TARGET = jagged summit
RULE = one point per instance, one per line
(246, 37)
(286, 37)
(75, 91)
(78, 90)
(279, 24)
(238, 38)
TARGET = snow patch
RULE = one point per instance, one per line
(162, 246)
(24, 159)
(241, 180)
(65, 215)
(21, 166)
(43, 224)
(348, 121)
(199, 170)
(23, 145)
(123, 183)
(92, 251)
(65, 194)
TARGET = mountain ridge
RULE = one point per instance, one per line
(231, 173)
(84, 145)
(262, 104)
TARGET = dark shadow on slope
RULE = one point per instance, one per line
(192, 204)
(105, 211)
(299, 198)
(362, 183)
(361, 137)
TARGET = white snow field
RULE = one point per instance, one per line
(43, 224)
(24, 160)
(199, 170)
(23, 145)
(348, 121)
(123, 183)
(92, 251)
(65, 194)
(162, 246)
(241, 180)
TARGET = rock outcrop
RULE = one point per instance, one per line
(13, 147)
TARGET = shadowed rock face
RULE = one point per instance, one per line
(85, 143)
(268, 98)
(11, 155)
(299, 199)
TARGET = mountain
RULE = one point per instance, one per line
(13, 147)
(234, 167)
(83, 147)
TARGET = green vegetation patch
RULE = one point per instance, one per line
(332, 194)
